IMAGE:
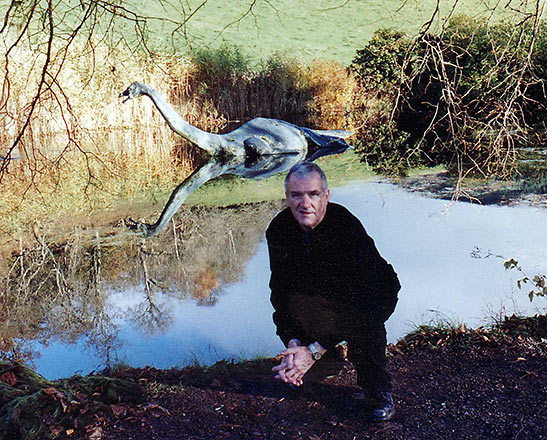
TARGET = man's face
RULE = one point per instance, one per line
(307, 201)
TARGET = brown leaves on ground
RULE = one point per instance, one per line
(9, 377)
(463, 387)
(34, 408)
(453, 383)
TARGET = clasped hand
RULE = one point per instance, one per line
(296, 362)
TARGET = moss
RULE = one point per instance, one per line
(33, 407)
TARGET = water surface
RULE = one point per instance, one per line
(449, 257)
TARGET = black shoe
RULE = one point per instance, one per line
(384, 408)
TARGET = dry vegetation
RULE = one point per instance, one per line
(97, 153)
(63, 283)
(82, 159)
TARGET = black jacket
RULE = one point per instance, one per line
(330, 282)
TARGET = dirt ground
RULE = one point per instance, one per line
(489, 192)
(448, 384)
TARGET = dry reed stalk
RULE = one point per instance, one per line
(333, 89)
(92, 114)
(96, 144)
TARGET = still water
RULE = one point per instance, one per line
(449, 258)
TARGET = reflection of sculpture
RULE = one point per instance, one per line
(258, 149)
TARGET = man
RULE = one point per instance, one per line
(329, 284)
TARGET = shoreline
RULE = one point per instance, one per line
(465, 374)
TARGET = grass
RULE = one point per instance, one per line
(513, 330)
(330, 29)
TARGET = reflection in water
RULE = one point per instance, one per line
(250, 166)
(59, 289)
(60, 292)
(94, 300)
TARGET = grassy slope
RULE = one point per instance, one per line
(330, 29)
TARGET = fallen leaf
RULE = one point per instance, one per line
(69, 431)
(154, 409)
(81, 397)
(10, 378)
(50, 391)
(118, 410)
(55, 393)
(97, 434)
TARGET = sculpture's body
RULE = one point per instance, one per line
(260, 136)
(258, 149)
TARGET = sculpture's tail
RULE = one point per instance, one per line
(326, 142)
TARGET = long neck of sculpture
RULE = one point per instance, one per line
(207, 141)
(200, 176)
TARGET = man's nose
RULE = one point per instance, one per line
(306, 200)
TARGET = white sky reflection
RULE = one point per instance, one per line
(428, 241)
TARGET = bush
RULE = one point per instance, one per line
(385, 60)
(220, 65)
(470, 96)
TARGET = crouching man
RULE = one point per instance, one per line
(329, 284)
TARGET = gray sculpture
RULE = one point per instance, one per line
(258, 149)
(259, 136)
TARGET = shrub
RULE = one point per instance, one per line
(220, 65)
(470, 96)
(385, 60)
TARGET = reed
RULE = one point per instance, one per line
(85, 151)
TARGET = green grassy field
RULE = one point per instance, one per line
(306, 29)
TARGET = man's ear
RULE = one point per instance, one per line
(327, 194)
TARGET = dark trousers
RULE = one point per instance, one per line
(366, 350)
(367, 353)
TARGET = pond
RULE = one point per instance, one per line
(199, 291)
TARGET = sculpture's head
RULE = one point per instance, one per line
(135, 90)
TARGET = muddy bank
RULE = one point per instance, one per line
(449, 383)
(527, 192)
(455, 384)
